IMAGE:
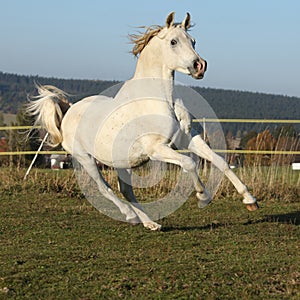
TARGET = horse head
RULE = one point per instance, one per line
(167, 49)
(179, 48)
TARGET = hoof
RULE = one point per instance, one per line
(152, 226)
(252, 206)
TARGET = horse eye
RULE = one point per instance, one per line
(173, 42)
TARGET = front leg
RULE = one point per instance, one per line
(200, 148)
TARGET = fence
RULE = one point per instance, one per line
(203, 121)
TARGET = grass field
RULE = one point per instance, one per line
(54, 245)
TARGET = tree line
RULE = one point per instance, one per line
(230, 104)
(14, 90)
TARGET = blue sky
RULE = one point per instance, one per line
(249, 45)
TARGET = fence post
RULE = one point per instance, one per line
(36, 154)
(10, 145)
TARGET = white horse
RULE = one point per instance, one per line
(139, 123)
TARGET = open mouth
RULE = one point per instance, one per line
(198, 75)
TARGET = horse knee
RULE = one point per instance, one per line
(188, 164)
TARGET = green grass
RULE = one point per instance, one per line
(54, 245)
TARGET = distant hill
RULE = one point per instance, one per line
(14, 89)
(229, 104)
(226, 103)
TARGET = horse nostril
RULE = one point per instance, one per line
(196, 62)
(200, 64)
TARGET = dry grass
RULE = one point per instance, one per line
(267, 183)
(274, 182)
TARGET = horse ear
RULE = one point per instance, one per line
(186, 23)
(170, 20)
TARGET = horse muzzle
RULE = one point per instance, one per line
(198, 69)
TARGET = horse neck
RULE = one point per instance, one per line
(150, 65)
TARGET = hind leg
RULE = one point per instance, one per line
(125, 186)
(89, 164)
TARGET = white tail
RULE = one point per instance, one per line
(50, 107)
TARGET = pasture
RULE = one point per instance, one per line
(55, 245)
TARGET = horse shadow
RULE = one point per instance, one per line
(210, 226)
(292, 218)
(287, 218)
